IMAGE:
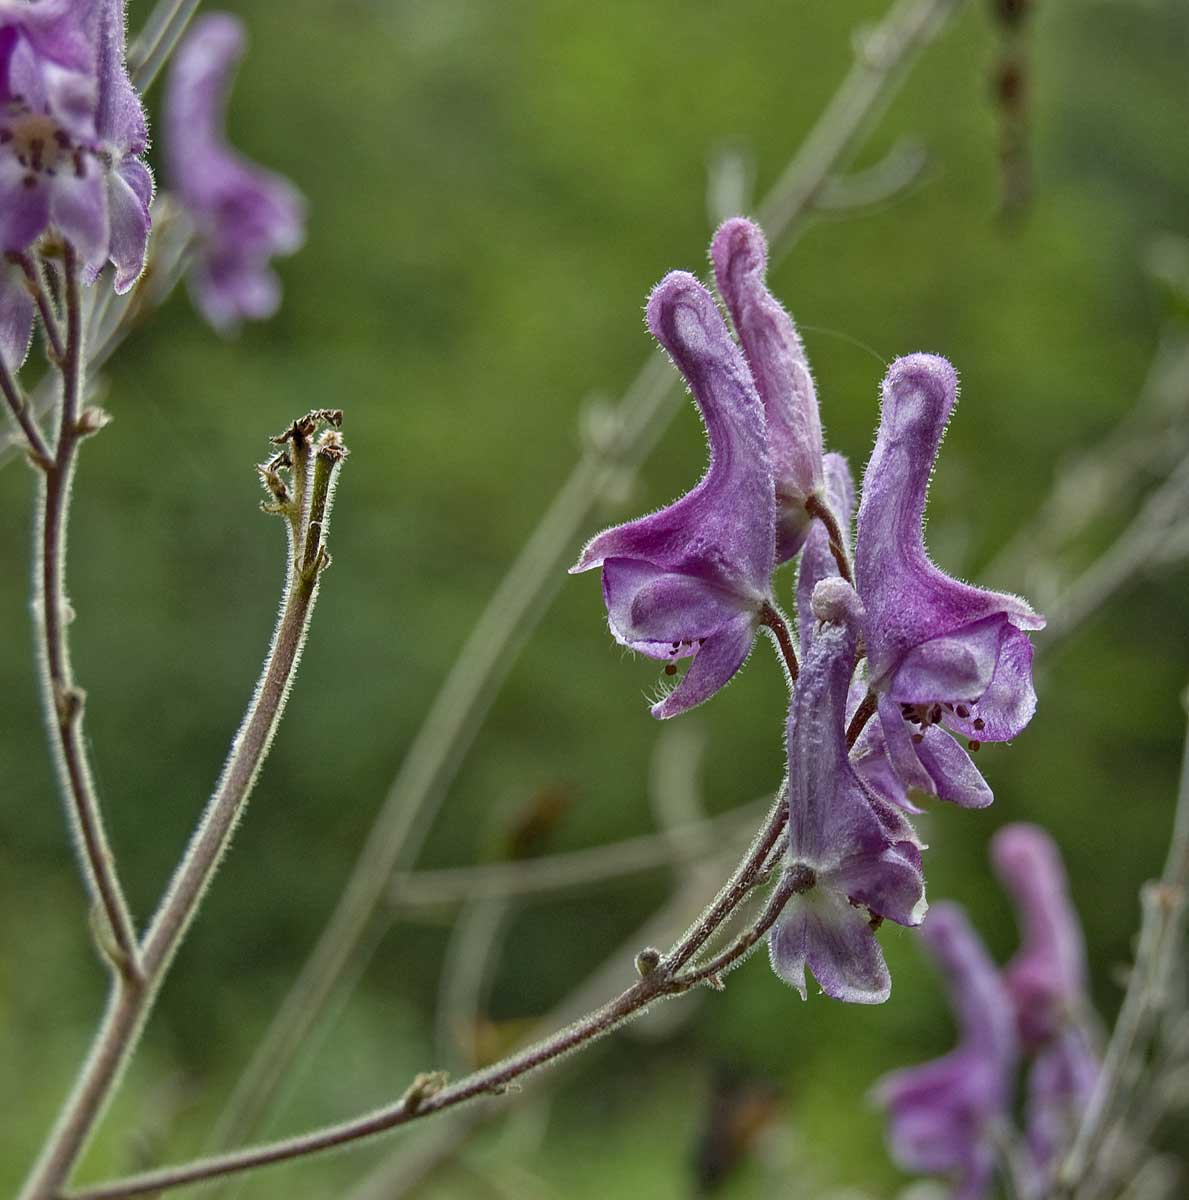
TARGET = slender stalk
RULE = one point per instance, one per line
(863, 714)
(522, 599)
(23, 415)
(133, 996)
(429, 1094)
(771, 618)
(157, 39)
(821, 512)
(49, 318)
(64, 700)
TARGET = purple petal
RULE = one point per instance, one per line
(954, 775)
(956, 665)
(887, 884)
(78, 207)
(24, 205)
(16, 316)
(909, 600)
(1007, 705)
(821, 931)
(725, 526)
(119, 117)
(1047, 976)
(647, 605)
(713, 665)
(130, 220)
(777, 360)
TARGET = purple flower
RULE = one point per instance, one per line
(243, 214)
(693, 579)
(71, 131)
(781, 372)
(852, 863)
(1046, 980)
(939, 652)
(942, 1115)
(123, 136)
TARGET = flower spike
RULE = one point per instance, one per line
(854, 866)
(778, 364)
(693, 578)
(942, 1115)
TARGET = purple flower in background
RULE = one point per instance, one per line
(781, 372)
(940, 652)
(694, 578)
(942, 1115)
(71, 131)
(243, 214)
(1047, 982)
(851, 862)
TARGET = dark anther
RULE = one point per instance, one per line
(875, 922)
(676, 645)
(802, 878)
(979, 723)
(963, 711)
(935, 713)
(918, 738)
(670, 668)
(974, 746)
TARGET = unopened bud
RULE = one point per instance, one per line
(424, 1087)
(647, 961)
(91, 420)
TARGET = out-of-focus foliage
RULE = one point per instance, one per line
(493, 189)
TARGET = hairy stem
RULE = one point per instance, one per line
(133, 996)
(64, 700)
(23, 415)
(773, 619)
(429, 1094)
(821, 512)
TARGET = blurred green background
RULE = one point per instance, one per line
(492, 191)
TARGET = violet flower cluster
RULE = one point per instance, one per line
(949, 1116)
(934, 661)
(72, 136)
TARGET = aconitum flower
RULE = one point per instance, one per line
(694, 579)
(778, 364)
(71, 131)
(939, 652)
(243, 215)
(942, 1116)
(1048, 983)
(851, 863)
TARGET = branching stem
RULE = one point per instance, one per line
(133, 995)
(773, 619)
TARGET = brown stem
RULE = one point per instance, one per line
(428, 1094)
(133, 998)
(817, 509)
(23, 415)
(64, 700)
(771, 617)
(863, 714)
(49, 319)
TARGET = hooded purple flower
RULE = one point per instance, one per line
(939, 652)
(243, 214)
(942, 1115)
(781, 372)
(71, 131)
(939, 766)
(694, 578)
(852, 862)
(1047, 982)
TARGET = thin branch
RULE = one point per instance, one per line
(662, 981)
(49, 318)
(23, 415)
(863, 714)
(773, 619)
(64, 700)
(522, 599)
(133, 998)
(575, 869)
(895, 173)
(154, 44)
(838, 548)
